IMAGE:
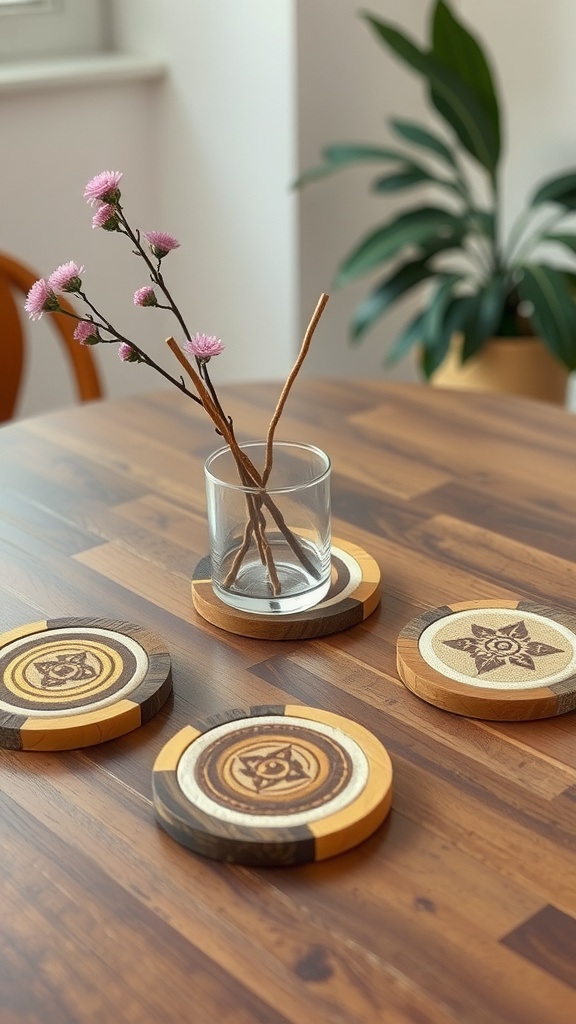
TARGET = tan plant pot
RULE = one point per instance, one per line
(513, 366)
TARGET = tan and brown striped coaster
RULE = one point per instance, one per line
(353, 596)
(69, 683)
(280, 784)
(500, 660)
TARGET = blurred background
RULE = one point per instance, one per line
(212, 108)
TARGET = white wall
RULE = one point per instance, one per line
(226, 135)
(207, 155)
(53, 141)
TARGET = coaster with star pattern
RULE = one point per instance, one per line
(272, 785)
(69, 683)
(498, 660)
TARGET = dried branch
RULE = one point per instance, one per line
(286, 389)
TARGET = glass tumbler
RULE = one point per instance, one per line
(270, 545)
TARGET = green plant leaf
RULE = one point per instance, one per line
(457, 315)
(386, 293)
(339, 155)
(432, 356)
(429, 362)
(557, 190)
(571, 283)
(410, 175)
(415, 227)
(411, 335)
(437, 308)
(482, 222)
(422, 137)
(314, 174)
(405, 178)
(442, 243)
(437, 328)
(567, 240)
(484, 317)
(462, 109)
(554, 315)
(345, 153)
(459, 52)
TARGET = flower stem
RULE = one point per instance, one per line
(104, 325)
(155, 272)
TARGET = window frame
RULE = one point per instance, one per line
(38, 30)
(18, 6)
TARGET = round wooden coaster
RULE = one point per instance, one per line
(69, 683)
(499, 660)
(354, 594)
(280, 784)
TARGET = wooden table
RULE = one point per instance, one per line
(462, 907)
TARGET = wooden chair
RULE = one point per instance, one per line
(16, 279)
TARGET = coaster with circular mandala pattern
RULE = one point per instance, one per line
(354, 594)
(69, 683)
(279, 784)
(498, 660)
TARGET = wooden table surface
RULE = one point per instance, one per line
(462, 907)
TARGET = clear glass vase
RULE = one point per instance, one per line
(270, 546)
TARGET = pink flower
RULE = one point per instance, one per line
(106, 217)
(145, 297)
(66, 278)
(40, 299)
(84, 331)
(160, 243)
(104, 188)
(204, 346)
(128, 354)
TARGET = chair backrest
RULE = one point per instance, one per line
(15, 278)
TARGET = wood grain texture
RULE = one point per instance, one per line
(461, 909)
(547, 939)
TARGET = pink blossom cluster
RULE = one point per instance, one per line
(161, 243)
(86, 333)
(128, 354)
(106, 217)
(66, 278)
(203, 346)
(145, 296)
(104, 190)
(42, 297)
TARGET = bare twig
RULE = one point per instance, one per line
(286, 389)
(248, 474)
(252, 477)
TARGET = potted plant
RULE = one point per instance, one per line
(479, 293)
